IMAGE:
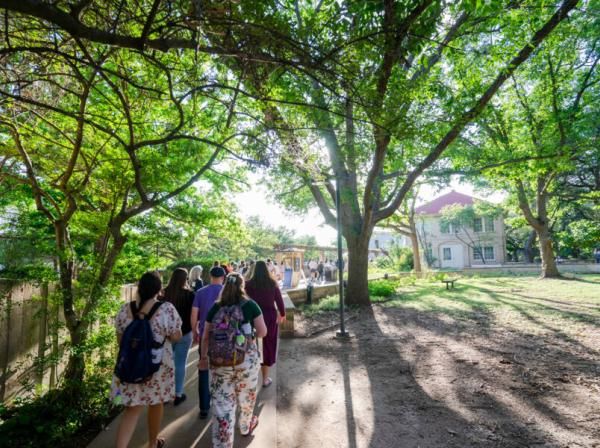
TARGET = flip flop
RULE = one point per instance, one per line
(267, 382)
(253, 425)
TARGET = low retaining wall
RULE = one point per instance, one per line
(509, 268)
(298, 295)
(286, 329)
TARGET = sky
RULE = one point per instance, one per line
(257, 201)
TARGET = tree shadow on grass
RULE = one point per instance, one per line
(513, 302)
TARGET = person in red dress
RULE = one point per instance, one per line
(263, 289)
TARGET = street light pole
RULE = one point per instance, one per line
(342, 333)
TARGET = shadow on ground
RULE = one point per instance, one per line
(443, 378)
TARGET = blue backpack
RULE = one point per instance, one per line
(140, 356)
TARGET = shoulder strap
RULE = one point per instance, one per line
(153, 310)
(134, 309)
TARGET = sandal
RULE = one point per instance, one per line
(253, 425)
(267, 382)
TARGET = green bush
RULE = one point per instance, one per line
(398, 259)
(382, 288)
(60, 418)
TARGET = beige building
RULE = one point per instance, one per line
(482, 243)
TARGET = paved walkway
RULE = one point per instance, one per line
(182, 429)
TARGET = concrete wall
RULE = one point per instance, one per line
(522, 268)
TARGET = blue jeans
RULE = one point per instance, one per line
(180, 354)
(203, 388)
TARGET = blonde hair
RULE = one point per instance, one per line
(195, 274)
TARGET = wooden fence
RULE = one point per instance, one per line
(32, 337)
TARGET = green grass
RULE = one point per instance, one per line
(525, 302)
(517, 302)
(329, 303)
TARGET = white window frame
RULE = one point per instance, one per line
(477, 253)
(485, 255)
(489, 224)
(449, 249)
(475, 227)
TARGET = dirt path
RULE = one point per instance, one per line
(410, 378)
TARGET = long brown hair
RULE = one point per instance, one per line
(233, 291)
(178, 289)
(261, 277)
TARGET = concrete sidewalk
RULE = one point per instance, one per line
(182, 428)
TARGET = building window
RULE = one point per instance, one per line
(477, 253)
(444, 227)
(489, 224)
(478, 224)
(447, 253)
(488, 253)
(376, 244)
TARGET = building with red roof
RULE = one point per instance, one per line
(480, 244)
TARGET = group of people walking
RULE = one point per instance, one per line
(226, 318)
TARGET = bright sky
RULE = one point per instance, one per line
(258, 201)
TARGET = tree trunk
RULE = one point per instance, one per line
(414, 240)
(528, 249)
(549, 269)
(357, 291)
(66, 263)
(76, 365)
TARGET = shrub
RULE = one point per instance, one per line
(399, 259)
(382, 288)
(60, 418)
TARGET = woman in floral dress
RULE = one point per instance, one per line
(234, 387)
(160, 388)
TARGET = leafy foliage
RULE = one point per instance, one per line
(382, 288)
(61, 417)
(398, 259)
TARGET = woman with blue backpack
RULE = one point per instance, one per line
(144, 373)
(229, 345)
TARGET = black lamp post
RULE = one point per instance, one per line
(342, 333)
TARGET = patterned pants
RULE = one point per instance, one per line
(232, 387)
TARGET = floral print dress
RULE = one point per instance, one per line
(160, 388)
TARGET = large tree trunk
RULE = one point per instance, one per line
(357, 291)
(549, 269)
(529, 245)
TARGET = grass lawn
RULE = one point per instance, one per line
(522, 303)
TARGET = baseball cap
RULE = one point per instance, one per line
(217, 271)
